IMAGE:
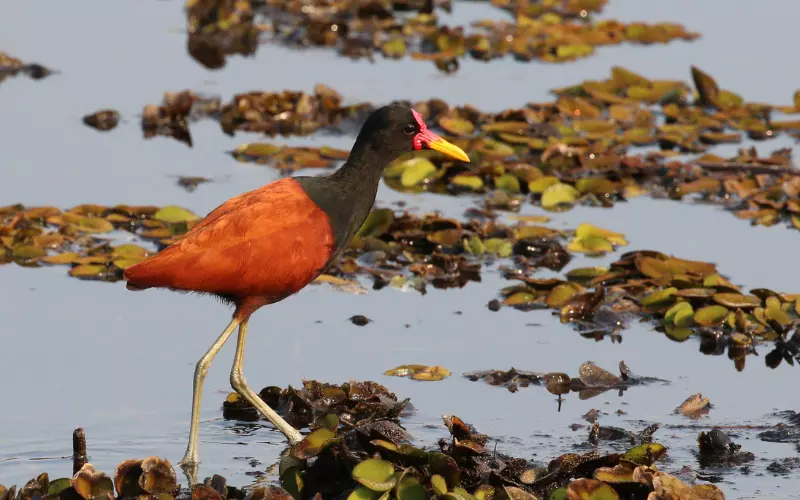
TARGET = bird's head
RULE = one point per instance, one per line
(401, 130)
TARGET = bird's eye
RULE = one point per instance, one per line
(409, 129)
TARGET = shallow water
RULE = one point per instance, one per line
(120, 364)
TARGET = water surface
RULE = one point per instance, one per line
(120, 363)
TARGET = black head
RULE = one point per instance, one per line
(395, 130)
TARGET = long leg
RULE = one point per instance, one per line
(190, 459)
(239, 384)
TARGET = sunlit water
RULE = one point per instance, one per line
(120, 364)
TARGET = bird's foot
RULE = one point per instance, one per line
(189, 464)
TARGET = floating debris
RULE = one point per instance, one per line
(103, 120)
(552, 32)
(419, 372)
(360, 320)
(591, 381)
(695, 406)
(11, 66)
(716, 447)
(190, 183)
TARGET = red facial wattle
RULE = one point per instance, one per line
(428, 140)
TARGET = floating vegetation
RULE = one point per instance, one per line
(542, 31)
(419, 372)
(683, 298)
(288, 159)
(269, 113)
(556, 155)
(356, 447)
(190, 183)
(103, 120)
(11, 66)
(591, 381)
(694, 406)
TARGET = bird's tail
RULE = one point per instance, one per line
(149, 273)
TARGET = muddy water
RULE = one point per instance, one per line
(120, 364)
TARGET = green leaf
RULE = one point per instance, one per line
(439, 484)
(410, 489)
(508, 183)
(472, 182)
(363, 493)
(56, 486)
(329, 421)
(456, 126)
(314, 443)
(377, 475)
(559, 196)
(377, 222)
(710, 315)
(645, 454)
(446, 467)
(590, 489)
(538, 186)
(173, 214)
(498, 246)
(659, 298)
(416, 170)
(736, 300)
(474, 245)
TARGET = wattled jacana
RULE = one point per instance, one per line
(263, 246)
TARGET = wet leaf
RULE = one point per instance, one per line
(394, 48)
(645, 454)
(710, 315)
(363, 493)
(472, 182)
(590, 489)
(409, 488)
(377, 475)
(706, 87)
(559, 196)
(681, 315)
(314, 443)
(508, 183)
(621, 473)
(438, 484)
(659, 298)
(590, 244)
(415, 171)
(456, 126)
(737, 300)
(158, 476)
(561, 295)
(102, 120)
(419, 372)
(499, 247)
(173, 214)
(541, 184)
(27, 252)
(474, 245)
(88, 271)
(93, 485)
(378, 222)
(88, 224)
(586, 273)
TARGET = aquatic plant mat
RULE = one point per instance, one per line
(357, 448)
(594, 143)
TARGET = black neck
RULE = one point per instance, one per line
(347, 195)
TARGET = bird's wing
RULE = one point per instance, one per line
(268, 241)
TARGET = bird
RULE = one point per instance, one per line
(265, 245)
